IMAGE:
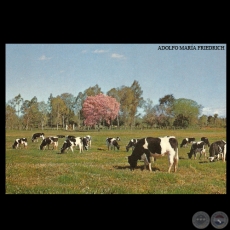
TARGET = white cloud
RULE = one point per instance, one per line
(44, 58)
(118, 56)
(209, 111)
(84, 51)
(100, 51)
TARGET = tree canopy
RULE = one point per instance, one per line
(100, 107)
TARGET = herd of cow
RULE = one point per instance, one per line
(146, 149)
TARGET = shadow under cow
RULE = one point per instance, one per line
(141, 167)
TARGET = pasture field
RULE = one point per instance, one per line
(99, 171)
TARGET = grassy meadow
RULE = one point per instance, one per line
(99, 171)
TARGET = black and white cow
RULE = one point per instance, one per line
(49, 141)
(36, 136)
(187, 141)
(112, 143)
(89, 140)
(131, 144)
(155, 147)
(72, 142)
(197, 147)
(19, 142)
(205, 140)
(217, 150)
(85, 142)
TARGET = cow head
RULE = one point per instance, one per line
(191, 153)
(25, 145)
(132, 161)
(44, 143)
(64, 147)
(85, 141)
(127, 148)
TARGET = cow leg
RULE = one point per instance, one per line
(147, 163)
(175, 164)
(147, 159)
(195, 155)
(80, 148)
(172, 161)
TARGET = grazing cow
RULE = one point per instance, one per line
(112, 143)
(36, 136)
(19, 142)
(155, 147)
(216, 149)
(49, 141)
(187, 141)
(61, 136)
(131, 144)
(70, 143)
(85, 142)
(197, 147)
(205, 140)
(89, 140)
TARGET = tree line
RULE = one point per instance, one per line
(118, 108)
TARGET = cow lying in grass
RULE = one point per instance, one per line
(20, 142)
(155, 147)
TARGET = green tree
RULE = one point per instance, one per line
(215, 118)
(16, 103)
(49, 104)
(10, 116)
(203, 120)
(43, 110)
(59, 111)
(166, 104)
(185, 111)
(149, 113)
(137, 101)
(69, 100)
(30, 113)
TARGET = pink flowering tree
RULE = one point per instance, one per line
(100, 108)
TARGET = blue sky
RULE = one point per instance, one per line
(41, 69)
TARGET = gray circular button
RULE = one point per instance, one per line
(219, 220)
(201, 220)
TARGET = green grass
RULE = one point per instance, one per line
(32, 171)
